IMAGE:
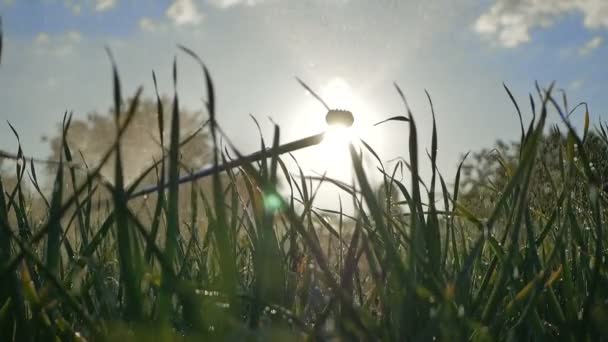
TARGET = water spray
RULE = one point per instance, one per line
(334, 118)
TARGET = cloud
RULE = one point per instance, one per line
(184, 12)
(576, 84)
(591, 45)
(147, 25)
(231, 3)
(43, 38)
(104, 5)
(59, 45)
(74, 36)
(76, 9)
(74, 6)
(150, 25)
(510, 22)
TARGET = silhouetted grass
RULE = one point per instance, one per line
(412, 264)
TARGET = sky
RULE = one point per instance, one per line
(350, 51)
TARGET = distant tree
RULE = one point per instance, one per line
(488, 171)
(90, 138)
(7, 175)
(19, 192)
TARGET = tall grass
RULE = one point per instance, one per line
(414, 263)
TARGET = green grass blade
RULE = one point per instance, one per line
(128, 258)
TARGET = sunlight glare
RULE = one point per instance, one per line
(338, 137)
(332, 156)
(339, 95)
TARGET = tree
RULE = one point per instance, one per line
(6, 175)
(558, 165)
(90, 138)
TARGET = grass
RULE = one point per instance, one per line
(413, 264)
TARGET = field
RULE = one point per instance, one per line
(243, 261)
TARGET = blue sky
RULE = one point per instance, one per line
(461, 52)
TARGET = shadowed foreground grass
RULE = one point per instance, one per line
(413, 264)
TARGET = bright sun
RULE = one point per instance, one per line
(339, 95)
(332, 156)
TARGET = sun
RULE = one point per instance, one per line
(339, 95)
(332, 156)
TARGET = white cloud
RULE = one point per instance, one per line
(73, 5)
(74, 36)
(147, 25)
(510, 22)
(591, 45)
(43, 38)
(576, 84)
(184, 12)
(76, 9)
(59, 44)
(104, 5)
(230, 3)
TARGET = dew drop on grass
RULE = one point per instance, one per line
(433, 312)
(515, 272)
(580, 314)
(223, 305)
(460, 311)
